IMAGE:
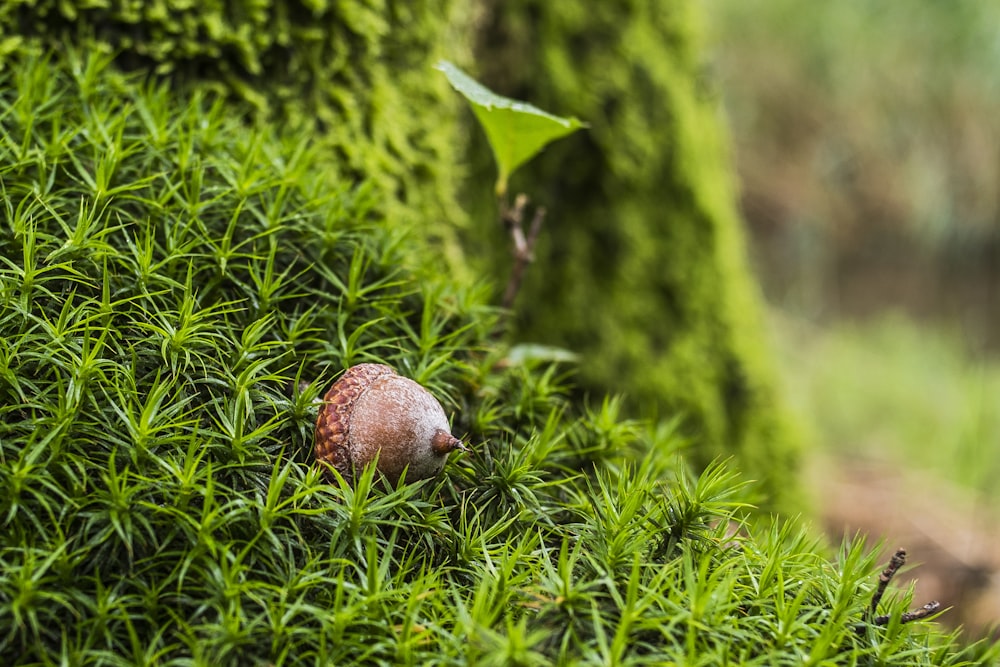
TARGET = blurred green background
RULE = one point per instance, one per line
(867, 140)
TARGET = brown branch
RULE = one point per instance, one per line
(512, 218)
(909, 616)
(534, 229)
(895, 563)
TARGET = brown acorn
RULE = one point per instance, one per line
(371, 410)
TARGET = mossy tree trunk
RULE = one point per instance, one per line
(642, 265)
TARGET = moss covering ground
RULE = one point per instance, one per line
(354, 74)
(172, 267)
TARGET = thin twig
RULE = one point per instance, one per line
(897, 561)
(534, 229)
(909, 616)
(512, 218)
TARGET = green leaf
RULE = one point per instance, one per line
(528, 352)
(517, 131)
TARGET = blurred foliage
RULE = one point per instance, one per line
(866, 138)
(895, 390)
(640, 267)
(866, 141)
(865, 113)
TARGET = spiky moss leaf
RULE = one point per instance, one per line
(641, 265)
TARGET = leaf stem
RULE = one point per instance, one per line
(523, 249)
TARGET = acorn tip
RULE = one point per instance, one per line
(445, 443)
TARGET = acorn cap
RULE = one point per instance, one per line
(372, 411)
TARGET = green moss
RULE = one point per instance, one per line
(171, 223)
(642, 265)
(169, 272)
(355, 74)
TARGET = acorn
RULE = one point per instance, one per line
(373, 411)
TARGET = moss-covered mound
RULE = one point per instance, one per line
(169, 276)
(354, 74)
(642, 271)
(641, 267)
